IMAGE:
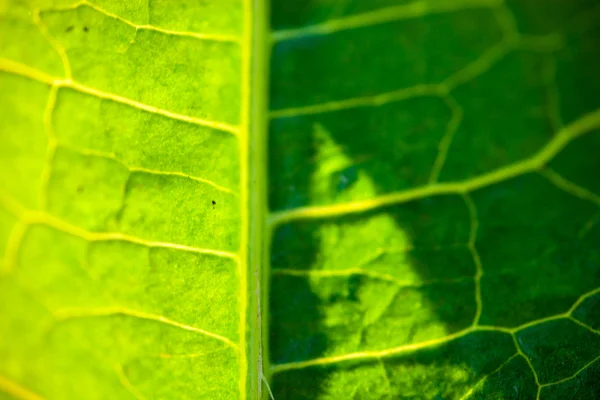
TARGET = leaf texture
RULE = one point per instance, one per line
(432, 226)
(435, 203)
(124, 218)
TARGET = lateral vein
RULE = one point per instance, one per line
(43, 218)
(113, 157)
(67, 314)
(580, 127)
(16, 68)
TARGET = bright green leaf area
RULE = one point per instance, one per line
(122, 203)
(432, 187)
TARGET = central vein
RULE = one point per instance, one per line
(254, 197)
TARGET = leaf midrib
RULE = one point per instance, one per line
(254, 190)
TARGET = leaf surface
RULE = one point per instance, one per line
(435, 200)
(432, 225)
(124, 200)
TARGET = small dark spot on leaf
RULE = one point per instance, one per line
(79, 189)
(69, 28)
(85, 29)
(214, 203)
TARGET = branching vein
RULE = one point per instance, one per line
(472, 70)
(589, 364)
(127, 384)
(50, 147)
(483, 379)
(568, 186)
(43, 218)
(580, 127)
(535, 375)
(113, 157)
(475, 255)
(375, 354)
(444, 146)
(62, 54)
(31, 73)
(69, 314)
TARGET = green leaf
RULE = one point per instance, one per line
(434, 175)
(125, 201)
(427, 225)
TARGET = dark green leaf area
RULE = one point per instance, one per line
(507, 127)
(296, 13)
(537, 253)
(379, 58)
(554, 16)
(559, 349)
(511, 381)
(577, 66)
(584, 386)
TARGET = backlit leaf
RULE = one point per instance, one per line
(427, 225)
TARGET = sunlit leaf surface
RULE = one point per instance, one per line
(123, 158)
